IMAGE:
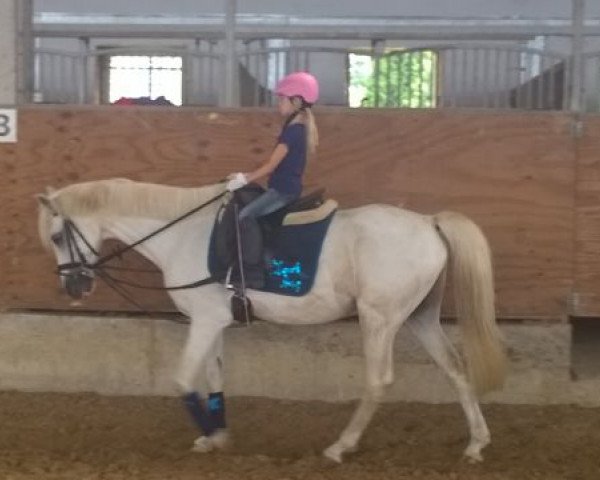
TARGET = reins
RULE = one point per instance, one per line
(119, 252)
(100, 267)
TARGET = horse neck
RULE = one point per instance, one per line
(163, 248)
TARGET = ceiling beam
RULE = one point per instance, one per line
(281, 26)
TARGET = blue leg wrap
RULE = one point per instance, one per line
(203, 420)
(216, 409)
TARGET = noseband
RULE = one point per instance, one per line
(78, 273)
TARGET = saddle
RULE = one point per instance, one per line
(289, 240)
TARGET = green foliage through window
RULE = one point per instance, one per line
(397, 79)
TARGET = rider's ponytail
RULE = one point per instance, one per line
(312, 133)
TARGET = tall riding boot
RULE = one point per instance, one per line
(252, 253)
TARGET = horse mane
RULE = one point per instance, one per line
(122, 197)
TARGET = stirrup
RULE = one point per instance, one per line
(240, 307)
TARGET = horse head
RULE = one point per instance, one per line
(75, 244)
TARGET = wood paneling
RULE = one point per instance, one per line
(586, 298)
(513, 173)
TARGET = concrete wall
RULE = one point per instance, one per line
(124, 356)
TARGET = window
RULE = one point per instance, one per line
(145, 76)
(277, 61)
(399, 79)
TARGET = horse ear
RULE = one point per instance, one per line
(44, 201)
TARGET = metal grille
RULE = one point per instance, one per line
(59, 77)
(479, 76)
(405, 79)
(262, 68)
(592, 78)
(484, 76)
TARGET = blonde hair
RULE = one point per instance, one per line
(312, 133)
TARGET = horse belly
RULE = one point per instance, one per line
(307, 310)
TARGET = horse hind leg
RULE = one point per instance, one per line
(378, 332)
(425, 324)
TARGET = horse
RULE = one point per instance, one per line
(385, 264)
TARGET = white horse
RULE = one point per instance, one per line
(383, 263)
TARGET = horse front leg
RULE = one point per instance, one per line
(216, 401)
(203, 348)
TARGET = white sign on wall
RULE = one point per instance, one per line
(8, 125)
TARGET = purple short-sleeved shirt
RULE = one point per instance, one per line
(287, 177)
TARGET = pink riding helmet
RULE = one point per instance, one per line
(299, 84)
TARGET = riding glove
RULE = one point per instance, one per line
(236, 180)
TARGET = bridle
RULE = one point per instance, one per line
(79, 273)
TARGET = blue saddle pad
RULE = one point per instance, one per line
(293, 256)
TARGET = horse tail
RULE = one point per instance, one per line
(472, 277)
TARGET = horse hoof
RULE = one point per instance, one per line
(218, 440)
(202, 445)
(473, 456)
(333, 453)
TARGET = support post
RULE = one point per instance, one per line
(578, 39)
(231, 97)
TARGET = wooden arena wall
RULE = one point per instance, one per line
(532, 186)
(586, 269)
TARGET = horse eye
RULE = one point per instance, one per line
(56, 238)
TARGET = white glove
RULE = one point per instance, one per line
(236, 180)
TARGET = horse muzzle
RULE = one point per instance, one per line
(78, 282)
